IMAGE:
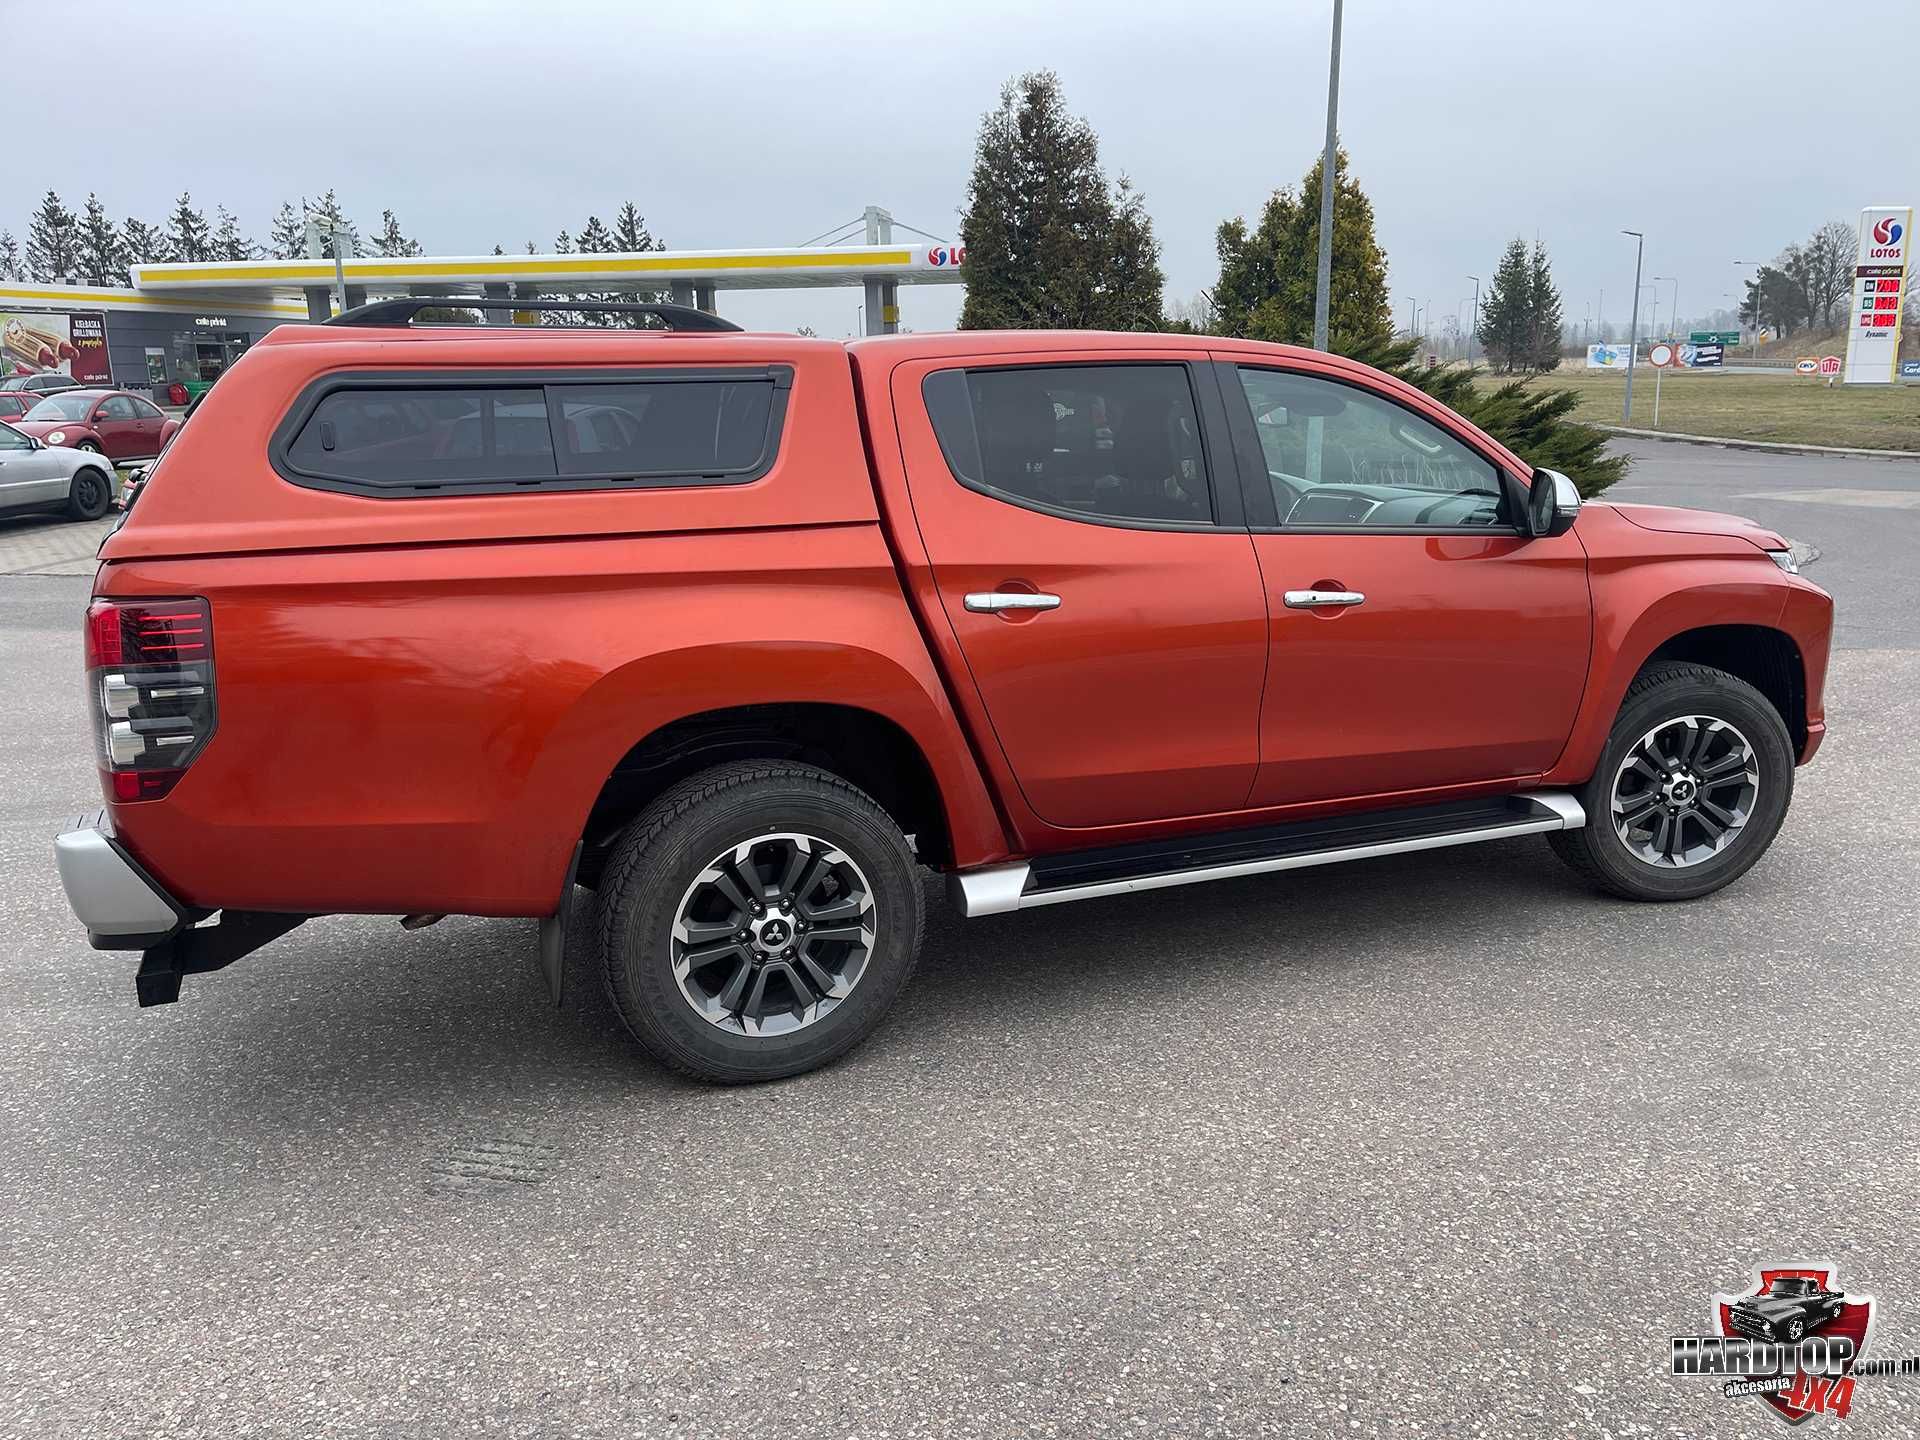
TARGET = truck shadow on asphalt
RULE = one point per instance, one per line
(353, 1006)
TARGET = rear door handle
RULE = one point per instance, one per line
(989, 602)
(1311, 599)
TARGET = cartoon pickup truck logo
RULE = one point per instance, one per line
(1789, 1309)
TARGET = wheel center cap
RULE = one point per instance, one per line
(1682, 789)
(774, 933)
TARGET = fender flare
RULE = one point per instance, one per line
(1626, 635)
(635, 699)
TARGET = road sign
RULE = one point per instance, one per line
(1830, 364)
(1715, 337)
(1662, 355)
(1807, 365)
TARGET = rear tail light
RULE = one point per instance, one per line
(150, 691)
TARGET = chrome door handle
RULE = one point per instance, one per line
(1309, 599)
(988, 602)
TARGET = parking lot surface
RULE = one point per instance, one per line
(1441, 1144)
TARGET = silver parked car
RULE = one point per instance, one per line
(34, 476)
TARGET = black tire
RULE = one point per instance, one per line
(663, 854)
(1796, 1330)
(1662, 692)
(90, 494)
(88, 446)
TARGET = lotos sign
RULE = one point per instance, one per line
(946, 257)
(1879, 295)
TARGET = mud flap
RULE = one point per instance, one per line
(553, 934)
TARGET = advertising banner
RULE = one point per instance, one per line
(32, 343)
(1606, 357)
(1703, 357)
(1879, 294)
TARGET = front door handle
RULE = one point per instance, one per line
(989, 602)
(1312, 599)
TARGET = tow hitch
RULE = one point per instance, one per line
(202, 950)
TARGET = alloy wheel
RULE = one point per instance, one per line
(1685, 791)
(773, 934)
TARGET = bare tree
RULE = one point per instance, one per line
(1828, 258)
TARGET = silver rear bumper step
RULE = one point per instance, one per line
(1121, 870)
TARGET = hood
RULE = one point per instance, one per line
(1673, 520)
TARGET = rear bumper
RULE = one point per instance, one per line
(122, 906)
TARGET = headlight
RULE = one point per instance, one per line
(1784, 559)
(58, 437)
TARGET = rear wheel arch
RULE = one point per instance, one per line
(860, 746)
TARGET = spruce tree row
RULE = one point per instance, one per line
(90, 248)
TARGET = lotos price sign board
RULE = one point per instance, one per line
(1879, 294)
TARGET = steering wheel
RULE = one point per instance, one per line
(1293, 489)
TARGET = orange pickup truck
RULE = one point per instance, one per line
(741, 630)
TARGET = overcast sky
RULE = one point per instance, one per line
(1723, 128)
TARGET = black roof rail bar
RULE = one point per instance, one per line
(402, 309)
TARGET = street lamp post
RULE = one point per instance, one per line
(1323, 283)
(1673, 317)
(1633, 332)
(1474, 333)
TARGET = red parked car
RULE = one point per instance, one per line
(740, 631)
(122, 426)
(14, 405)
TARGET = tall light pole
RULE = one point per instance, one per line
(1653, 324)
(1323, 282)
(1673, 317)
(1633, 333)
(1473, 333)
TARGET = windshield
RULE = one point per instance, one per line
(62, 407)
(1791, 1285)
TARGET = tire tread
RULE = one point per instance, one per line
(619, 891)
(1576, 847)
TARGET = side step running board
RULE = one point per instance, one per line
(1119, 869)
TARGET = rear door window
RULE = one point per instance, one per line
(1097, 442)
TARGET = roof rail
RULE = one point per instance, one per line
(401, 310)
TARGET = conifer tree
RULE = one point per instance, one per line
(52, 242)
(1049, 243)
(188, 238)
(1506, 312)
(1269, 272)
(103, 258)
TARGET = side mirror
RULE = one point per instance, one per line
(1553, 502)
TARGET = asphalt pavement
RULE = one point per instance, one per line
(1444, 1144)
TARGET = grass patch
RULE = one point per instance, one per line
(1784, 407)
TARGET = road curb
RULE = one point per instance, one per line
(1778, 447)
